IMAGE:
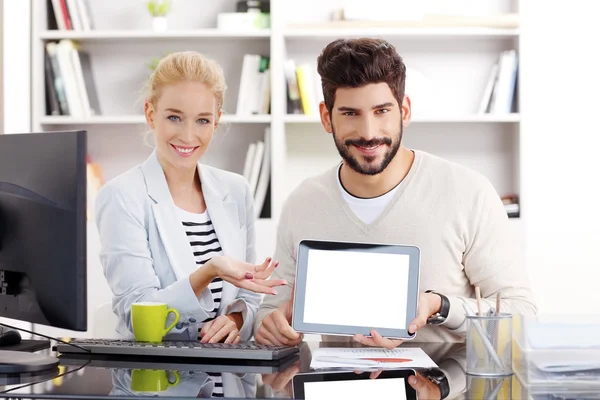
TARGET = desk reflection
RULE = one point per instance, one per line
(450, 358)
(181, 383)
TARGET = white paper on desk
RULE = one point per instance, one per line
(360, 358)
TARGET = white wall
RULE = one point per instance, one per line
(16, 41)
(560, 144)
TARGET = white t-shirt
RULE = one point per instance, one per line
(366, 209)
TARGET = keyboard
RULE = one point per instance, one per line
(192, 349)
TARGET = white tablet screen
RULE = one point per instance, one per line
(356, 288)
(390, 388)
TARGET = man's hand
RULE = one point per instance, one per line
(429, 304)
(376, 340)
(425, 388)
(276, 328)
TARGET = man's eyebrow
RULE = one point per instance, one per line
(382, 105)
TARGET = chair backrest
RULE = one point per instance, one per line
(105, 322)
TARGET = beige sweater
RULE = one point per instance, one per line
(453, 214)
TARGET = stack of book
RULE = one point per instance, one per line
(70, 86)
(254, 96)
(257, 170)
(304, 91)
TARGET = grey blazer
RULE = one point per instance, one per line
(146, 255)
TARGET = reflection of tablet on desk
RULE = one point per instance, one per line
(391, 384)
(348, 288)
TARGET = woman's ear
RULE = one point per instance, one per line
(149, 113)
(218, 118)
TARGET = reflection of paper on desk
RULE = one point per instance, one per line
(333, 357)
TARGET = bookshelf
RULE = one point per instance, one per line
(448, 68)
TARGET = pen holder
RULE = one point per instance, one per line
(497, 388)
(489, 345)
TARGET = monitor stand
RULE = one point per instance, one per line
(17, 362)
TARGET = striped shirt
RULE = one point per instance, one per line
(205, 245)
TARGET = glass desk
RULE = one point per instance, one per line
(109, 378)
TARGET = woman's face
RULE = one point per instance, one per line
(183, 119)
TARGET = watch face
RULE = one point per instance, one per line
(434, 373)
(436, 320)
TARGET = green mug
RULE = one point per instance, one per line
(149, 320)
(152, 380)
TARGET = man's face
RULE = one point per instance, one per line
(366, 123)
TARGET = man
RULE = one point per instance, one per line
(383, 192)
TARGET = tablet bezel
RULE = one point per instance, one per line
(299, 380)
(304, 246)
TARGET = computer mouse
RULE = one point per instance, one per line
(10, 338)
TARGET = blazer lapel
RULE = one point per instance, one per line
(223, 211)
(168, 223)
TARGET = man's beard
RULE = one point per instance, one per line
(369, 168)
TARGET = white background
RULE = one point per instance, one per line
(355, 288)
(389, 388)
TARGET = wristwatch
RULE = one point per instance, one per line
(441, 316)
(439, 378)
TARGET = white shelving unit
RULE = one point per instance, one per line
(453, 61)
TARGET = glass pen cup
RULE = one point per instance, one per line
(489, 345)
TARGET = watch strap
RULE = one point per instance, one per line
(439, 378)
(445, 307)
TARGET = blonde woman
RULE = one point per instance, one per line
(176, 231)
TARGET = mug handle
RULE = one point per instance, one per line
(176, 375)
(174, 311)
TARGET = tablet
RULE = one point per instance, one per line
(345, 288)
(390, 384)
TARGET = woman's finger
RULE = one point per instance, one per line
(263, 266)
(231, 337)
(205, 328)
(254, 287)
(216, 326)
(267, 272)
(237, 339)
(222, 333)
(270, 283)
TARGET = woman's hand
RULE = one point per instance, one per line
(244, 275)
(223, 327)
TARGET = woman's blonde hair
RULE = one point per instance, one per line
(186, 66)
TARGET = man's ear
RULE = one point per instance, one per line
(149, 113)
(406, 111)
(325, 117)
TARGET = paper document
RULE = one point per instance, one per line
(378, 358)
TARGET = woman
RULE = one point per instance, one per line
(178, 232)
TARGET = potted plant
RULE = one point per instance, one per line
(159, 9)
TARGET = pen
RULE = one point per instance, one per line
(484, 338)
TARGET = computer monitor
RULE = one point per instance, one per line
(43, 228)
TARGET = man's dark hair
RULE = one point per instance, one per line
(350, 63)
